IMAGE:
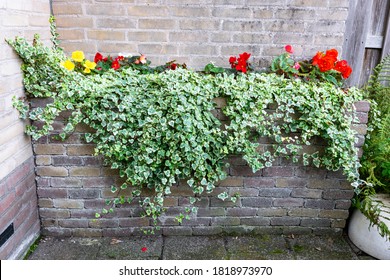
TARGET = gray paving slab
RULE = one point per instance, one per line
(51, 248)
(265, 247)
(320, 248)
(194, 248)
(134, 248)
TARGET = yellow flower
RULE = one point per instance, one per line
(89, 64)
(68, 65)
(87, 71)
(78, 56)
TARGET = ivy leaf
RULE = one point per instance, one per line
(223, 196)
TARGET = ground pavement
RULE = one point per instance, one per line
(264, 247)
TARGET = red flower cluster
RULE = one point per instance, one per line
(241, 63)
(328, 61)
(107, 61)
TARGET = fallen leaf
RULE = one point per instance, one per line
(115, 241)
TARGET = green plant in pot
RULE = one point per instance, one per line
(373, 200)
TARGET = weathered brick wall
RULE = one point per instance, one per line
(286, 198)
(18, 198)
(199, 31)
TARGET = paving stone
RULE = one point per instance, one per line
(131, 248)
(194, 248)
(51, 248)
(320, 248)
(264, 247)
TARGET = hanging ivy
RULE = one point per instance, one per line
(157, 127)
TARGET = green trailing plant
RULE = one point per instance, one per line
(157, 127)
(375, 169)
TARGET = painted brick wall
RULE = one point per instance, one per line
(286, 198)
(18, 198)
(199, 31)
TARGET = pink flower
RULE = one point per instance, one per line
(296, 66)
(144, 249)
(289, 49)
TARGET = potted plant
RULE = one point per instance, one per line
(373, 201)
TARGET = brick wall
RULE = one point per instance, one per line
(286, 198)
(18, 199)
(199, 31)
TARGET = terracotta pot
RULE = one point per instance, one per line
(366, 237)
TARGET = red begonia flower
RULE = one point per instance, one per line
(343, 67)
(326, 64)
(115, 65)
(98, 57)
(317, 58)
(332, 53)
(144, 249)
(244, 56)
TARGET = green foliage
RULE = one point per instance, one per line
(284, 65)
(376, 157)
(157, 128)
(212, 69)
(302, 113)
(375, 162)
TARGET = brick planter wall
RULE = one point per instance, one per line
(285, 198)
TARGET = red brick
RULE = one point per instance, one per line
(52, 193)
(49, 149)
(285, 221)
(288, 202)
(73, 223)
(278, 171)
(225, 221)
(338, 194)
(259, 182)
(103, 223)
(255, 221)
(7, 201)
(290, 182)
(310, 172)
(259, 202)
(81, 171)
(362, 106)
(310, 222)
(231, 182)
(134, 222)
(245, 171)
(51, 171)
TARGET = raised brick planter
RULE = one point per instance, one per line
(285, 198)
